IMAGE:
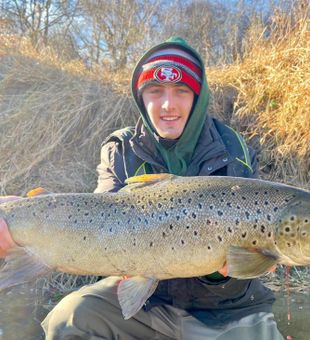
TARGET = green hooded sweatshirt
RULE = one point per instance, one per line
(177, 157)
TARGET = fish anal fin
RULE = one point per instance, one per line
(20, 266)
(246, 263)
(133, 292)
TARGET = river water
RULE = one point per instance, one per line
(23, 307)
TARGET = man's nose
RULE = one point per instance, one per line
(168, 101)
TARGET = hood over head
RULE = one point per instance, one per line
(174, 61)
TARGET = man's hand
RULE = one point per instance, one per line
(6, 241)
(224, 270)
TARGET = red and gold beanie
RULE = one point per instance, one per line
(170, 65)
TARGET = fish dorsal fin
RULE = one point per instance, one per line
(138, 182)
(245, 263)
(36, 192)
(149, 178)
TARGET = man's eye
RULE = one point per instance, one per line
(183, 90)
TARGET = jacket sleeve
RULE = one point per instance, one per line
(110, 170)
(254, 162)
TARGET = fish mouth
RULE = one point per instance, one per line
(293, 232)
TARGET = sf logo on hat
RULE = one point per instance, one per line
(167, 74)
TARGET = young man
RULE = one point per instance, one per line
(175, 135)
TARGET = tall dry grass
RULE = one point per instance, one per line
(272, 96)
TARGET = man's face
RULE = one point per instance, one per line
(168, 106)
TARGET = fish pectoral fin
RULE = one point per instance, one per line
(20, 266)
(133, 292)
(245, 263)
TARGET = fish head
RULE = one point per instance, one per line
(293, 231)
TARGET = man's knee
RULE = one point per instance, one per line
(76, 315)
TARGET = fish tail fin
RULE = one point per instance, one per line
(20, 266)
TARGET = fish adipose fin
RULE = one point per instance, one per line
(244, 263)
(133, 292)
(20, 266)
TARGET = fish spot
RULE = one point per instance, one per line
(12, 215)
(247, 215)
(254, 242)
(238, 207)
(166, 214)
(189, 200)
(306, 221)
(86, 214)
(266, 202)
(269, 217)
(211, 207)
(184, 190)
(159, 205)
(69, 217)
(164, 234)
(142, 206)
(177, 217)
(243, 197)
(151, 244)
(194, 215)
(221, 200)
(208, 222)
(229, 230)
(182, 242)
(195, 232)
(171, 199)
(171, 227)
(223, 193)
(244, 234)
(287, 229)
(172, 248)
(111, 230)
(184, 211)
(84, 238)
(304, 233)
(288, 244)
(256, 202)
(220, 213)
(34, 214)
(213, 195)
(237, 221)
(269, 234)
(258, 211)
(91, 220)
(188, 226)
(146, 221)
(75, 221)
(199, 205)
(292, 218)
(200, 195)
(160, 218)
(209, 247)
(262, 228)
(228, 204)
(219, 238)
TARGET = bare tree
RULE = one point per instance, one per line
(36, 18)
(117, 28)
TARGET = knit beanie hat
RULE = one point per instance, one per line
(170, 65)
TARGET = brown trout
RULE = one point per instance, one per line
(159, 227)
